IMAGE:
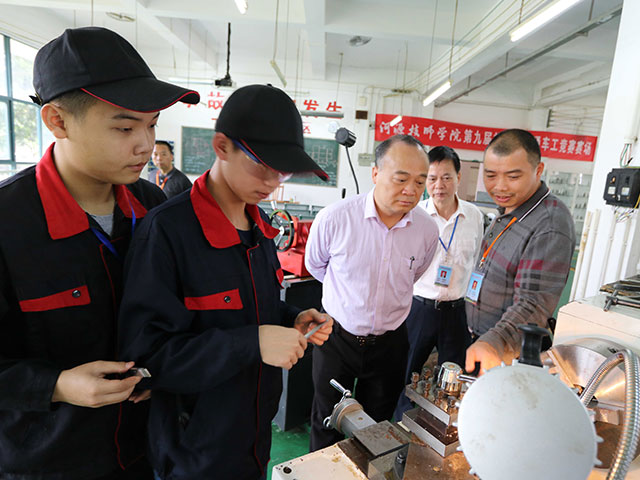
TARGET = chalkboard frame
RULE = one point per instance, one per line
(311, 178)
(196, 169)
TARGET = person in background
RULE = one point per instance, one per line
(66, 224)
(525, 256)
(171, 180)
(437, 317)
(207, 320)
(368, 251)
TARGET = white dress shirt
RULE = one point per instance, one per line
(368, 270)
(462, 253)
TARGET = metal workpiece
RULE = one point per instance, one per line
(381, 438)
(415, 378)
(445, 417)
(423, 463)
(348, 417)
(448, 379)
(442, 438)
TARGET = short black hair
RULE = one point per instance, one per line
(508, 141)
(383, 148)
(441, 152)
(166, 144)
(76, 102)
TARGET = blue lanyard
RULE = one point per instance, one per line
(106, 242)
(446, 249)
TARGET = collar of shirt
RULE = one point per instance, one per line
(430, 207)
(370, 211)
(217, 228)
(526, 206)
(64, 216)
(168, 174)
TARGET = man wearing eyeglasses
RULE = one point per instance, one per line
(368, 251)
(208, 322)
(437, 317)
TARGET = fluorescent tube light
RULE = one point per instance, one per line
(395, 121)
(543, 16)
(242, 6)
(195, 81)
(436, 93)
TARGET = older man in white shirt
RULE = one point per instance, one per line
(368, 251)
(437, 317)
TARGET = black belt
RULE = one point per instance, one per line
(440, 304)
(362, 340)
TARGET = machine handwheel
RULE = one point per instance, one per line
(281, 219)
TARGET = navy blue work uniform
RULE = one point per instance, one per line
(196, 294)
(60, 290)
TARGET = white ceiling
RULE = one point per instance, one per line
(188, 37)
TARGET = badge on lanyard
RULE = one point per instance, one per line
(473, 289)
(443, 274)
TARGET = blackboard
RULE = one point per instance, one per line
(197, 152)
(325, 153)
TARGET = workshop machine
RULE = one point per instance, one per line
(290, 241)
(570, 413)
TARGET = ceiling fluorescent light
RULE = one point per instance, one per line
(436, 93)
(275, 67)
(242, 6)
(195, 81)
(395, 121)
(543, 16)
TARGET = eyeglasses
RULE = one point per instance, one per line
(260, 169)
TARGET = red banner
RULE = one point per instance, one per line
(471, 137)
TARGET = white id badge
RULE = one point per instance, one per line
(473, 290)
(443, 276)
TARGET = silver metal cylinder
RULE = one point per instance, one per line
(348, 417)
(448, 378)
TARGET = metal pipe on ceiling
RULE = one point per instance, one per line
(587, 27)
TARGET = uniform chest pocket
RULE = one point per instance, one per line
(54, 294)
(227, 300)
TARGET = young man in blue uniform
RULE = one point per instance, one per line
(65, 226)
(207, 320)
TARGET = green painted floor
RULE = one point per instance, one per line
(295, 442)
(287, 445)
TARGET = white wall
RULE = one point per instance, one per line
(621, 112)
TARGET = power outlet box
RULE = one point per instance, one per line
(622, 187)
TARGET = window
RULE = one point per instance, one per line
(22, 136)
(25, 128)
(22, 57)
(5, 144)
(3, 68)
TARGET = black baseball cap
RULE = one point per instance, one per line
(267, 123)
(101, 63)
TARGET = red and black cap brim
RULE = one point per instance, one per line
(284, 157)
(142, 94)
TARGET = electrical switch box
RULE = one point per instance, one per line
(622, 187)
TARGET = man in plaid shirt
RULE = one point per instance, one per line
(525, 255)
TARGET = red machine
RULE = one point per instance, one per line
(290, 241)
